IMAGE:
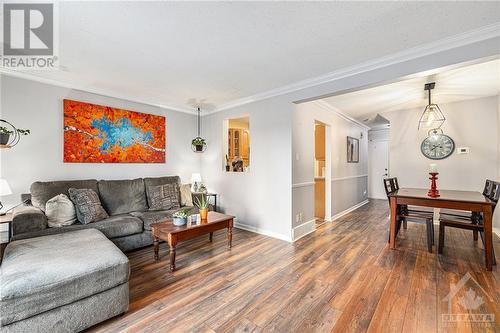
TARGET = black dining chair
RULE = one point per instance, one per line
(474, 222)
(472, 217)
(404, 214)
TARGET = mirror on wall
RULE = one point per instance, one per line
(237, 153)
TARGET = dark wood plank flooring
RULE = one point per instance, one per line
(341, 278)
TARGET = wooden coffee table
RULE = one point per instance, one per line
(172, 234)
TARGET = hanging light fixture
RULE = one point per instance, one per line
(432, 116)
(198, 144)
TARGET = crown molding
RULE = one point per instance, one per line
(466, 38)
(101, 92)
(328, 107)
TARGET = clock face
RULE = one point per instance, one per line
(437, 147)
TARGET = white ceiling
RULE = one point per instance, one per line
(168, 53)
(452, 85)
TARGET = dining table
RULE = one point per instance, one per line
(449, 199)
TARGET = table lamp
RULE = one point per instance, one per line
(195, 179)
(4, 189)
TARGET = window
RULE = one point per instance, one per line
(237, 144)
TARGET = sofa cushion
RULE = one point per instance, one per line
(60, 211)
(186, 195)
(87, 205)
(160, 181)
(123, 196)
(151, 217)
(163, 197)
(112, 227)
(39, 274)
(41, 192)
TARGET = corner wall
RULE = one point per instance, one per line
(349, 181)
(39, 156)
(261, 197)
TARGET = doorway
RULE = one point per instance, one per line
(321, 172)
(378, 162)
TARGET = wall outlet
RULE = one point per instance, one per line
(299, 217)
(463, 150)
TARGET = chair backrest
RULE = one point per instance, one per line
(495, 192)
(389, 185)
(488, 187)
(395, 183)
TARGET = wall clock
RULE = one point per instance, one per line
(437, 146)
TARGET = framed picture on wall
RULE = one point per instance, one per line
(352, 150)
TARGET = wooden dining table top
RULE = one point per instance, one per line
(445, 195)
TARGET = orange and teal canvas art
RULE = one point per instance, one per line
(102, 134)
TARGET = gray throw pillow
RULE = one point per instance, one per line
(163, 197)
(87, 204)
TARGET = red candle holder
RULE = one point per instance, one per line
(433, 192)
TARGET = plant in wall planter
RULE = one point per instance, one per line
(10, 135)
(198, 144)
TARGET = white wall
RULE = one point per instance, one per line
(349, 180)
(260, 198)
(471, 123)
(39, 156)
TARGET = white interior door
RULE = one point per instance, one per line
(378, 168)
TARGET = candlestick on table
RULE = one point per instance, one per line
(433, 192)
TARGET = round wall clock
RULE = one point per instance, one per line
(437, 146)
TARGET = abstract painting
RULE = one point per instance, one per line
(102, 134)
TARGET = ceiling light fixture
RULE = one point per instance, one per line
(432, 116)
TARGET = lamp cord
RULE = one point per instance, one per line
(198, 122)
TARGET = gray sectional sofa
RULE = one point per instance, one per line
(129, 222)
(66, 279)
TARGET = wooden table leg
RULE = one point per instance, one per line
(172, 242)
(156, 245)
(211, 237)
(392, 228)
(230, 234)
(488, 236)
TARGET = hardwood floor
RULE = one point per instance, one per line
(341, 278)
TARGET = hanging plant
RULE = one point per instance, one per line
(198, 144)
(10, 135)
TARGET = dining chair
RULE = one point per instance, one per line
(405, 215)
(475, 222)
(472, 217)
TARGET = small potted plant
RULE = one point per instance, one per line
(5, 134)
(180, 217)
(202, 205)
(228, 166)
(198, 144)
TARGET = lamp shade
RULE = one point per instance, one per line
(195, 178)
(4, 187)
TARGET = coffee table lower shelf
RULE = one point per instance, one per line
(172, 234)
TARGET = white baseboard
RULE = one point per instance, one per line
(304, 229)
(261, 231)
(348, 210)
